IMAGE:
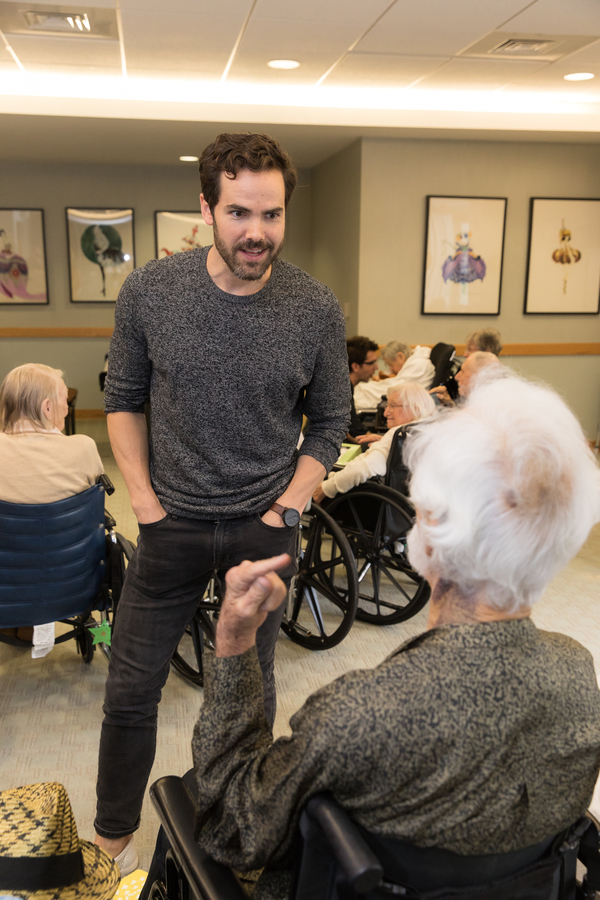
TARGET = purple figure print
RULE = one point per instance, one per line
(464, 267)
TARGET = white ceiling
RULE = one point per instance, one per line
(365, 66)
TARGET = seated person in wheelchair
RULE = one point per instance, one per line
(467, 375)
(482, 734)
(406, 403)
(39, 464)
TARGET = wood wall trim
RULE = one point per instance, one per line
(55, 332)
(541, 349)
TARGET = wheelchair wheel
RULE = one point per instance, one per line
(323, 597)
(198, 636)
(376, 520)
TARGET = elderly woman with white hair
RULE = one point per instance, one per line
(38, 463)
(480, 736)
(406, 404)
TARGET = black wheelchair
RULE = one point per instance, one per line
(376, 518)
(321, 604)
(339, 860)
(60, 562)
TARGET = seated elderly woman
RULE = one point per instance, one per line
(39, 464)
(406, 365)
(407, 403)
(479, 736)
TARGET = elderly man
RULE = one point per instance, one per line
(467, 375)
(487, 340)
(405, 364)
(481, 735)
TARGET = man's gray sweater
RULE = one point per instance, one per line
(228, 378)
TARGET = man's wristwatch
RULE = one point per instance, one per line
(290, 516)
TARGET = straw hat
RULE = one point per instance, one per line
(41, 855)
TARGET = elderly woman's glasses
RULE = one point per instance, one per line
(395, 406)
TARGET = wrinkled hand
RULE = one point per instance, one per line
(368, 438)
(253, 589)
(319, 494)
(442, 394)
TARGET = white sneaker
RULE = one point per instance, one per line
(128, 860)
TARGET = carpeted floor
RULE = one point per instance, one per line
(51, 708)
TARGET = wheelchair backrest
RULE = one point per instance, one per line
(52, 558)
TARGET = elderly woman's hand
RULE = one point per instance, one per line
(368, 438)
(319, 494)
(253, 589)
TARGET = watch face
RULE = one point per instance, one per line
(291, 517)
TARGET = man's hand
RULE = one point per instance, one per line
(319, 494)
(442, 394)
(273, 519)
(253, 589)
(151, 510)
(368, 438)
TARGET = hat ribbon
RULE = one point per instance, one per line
(35, 873)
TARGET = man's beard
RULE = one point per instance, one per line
(243, 269)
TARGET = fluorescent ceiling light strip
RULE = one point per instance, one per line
(238, 41)
(12, 52)
(121, 40)
(352, 46)
(193, 93)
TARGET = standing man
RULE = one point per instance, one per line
(231, 346)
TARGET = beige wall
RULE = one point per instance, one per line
(397, 176)
(146, 189)
(336, 198)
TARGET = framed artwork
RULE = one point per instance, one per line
(100, 253)
(23, 273)
(464, 245)
(179, 231)
(563, 266)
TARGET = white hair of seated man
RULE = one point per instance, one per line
(506, 489)
(417, 402)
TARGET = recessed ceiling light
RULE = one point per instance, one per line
(579, 76)
(283, 64)
(188, 159)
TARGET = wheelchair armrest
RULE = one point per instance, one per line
(360, 866)
(176, 808)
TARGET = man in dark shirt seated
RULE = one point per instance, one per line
(363, 354)
(479, 736)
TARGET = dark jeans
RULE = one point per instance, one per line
(167, 575)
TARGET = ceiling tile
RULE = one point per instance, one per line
(478, 74)
(98, 4)
(351, 12)
(315, 47)
(226, 8)
(198, 44)
(558, 17)
(65, 51)
(77, 71)
(382, 70)
(437, 27)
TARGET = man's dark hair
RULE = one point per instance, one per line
(230, 153)
(358, 347)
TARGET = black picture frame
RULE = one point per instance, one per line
(85, 281)
(555, 282)
(23, 258)
(444, 225)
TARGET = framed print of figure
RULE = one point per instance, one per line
(179, 231)
(463, 256)
(100, 252)
(23, 272)
(563, 266)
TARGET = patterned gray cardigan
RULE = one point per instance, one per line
(476, 738)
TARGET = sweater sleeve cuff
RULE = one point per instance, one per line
(329, 488)
(232, 676)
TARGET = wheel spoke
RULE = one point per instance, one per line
(313, 605)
